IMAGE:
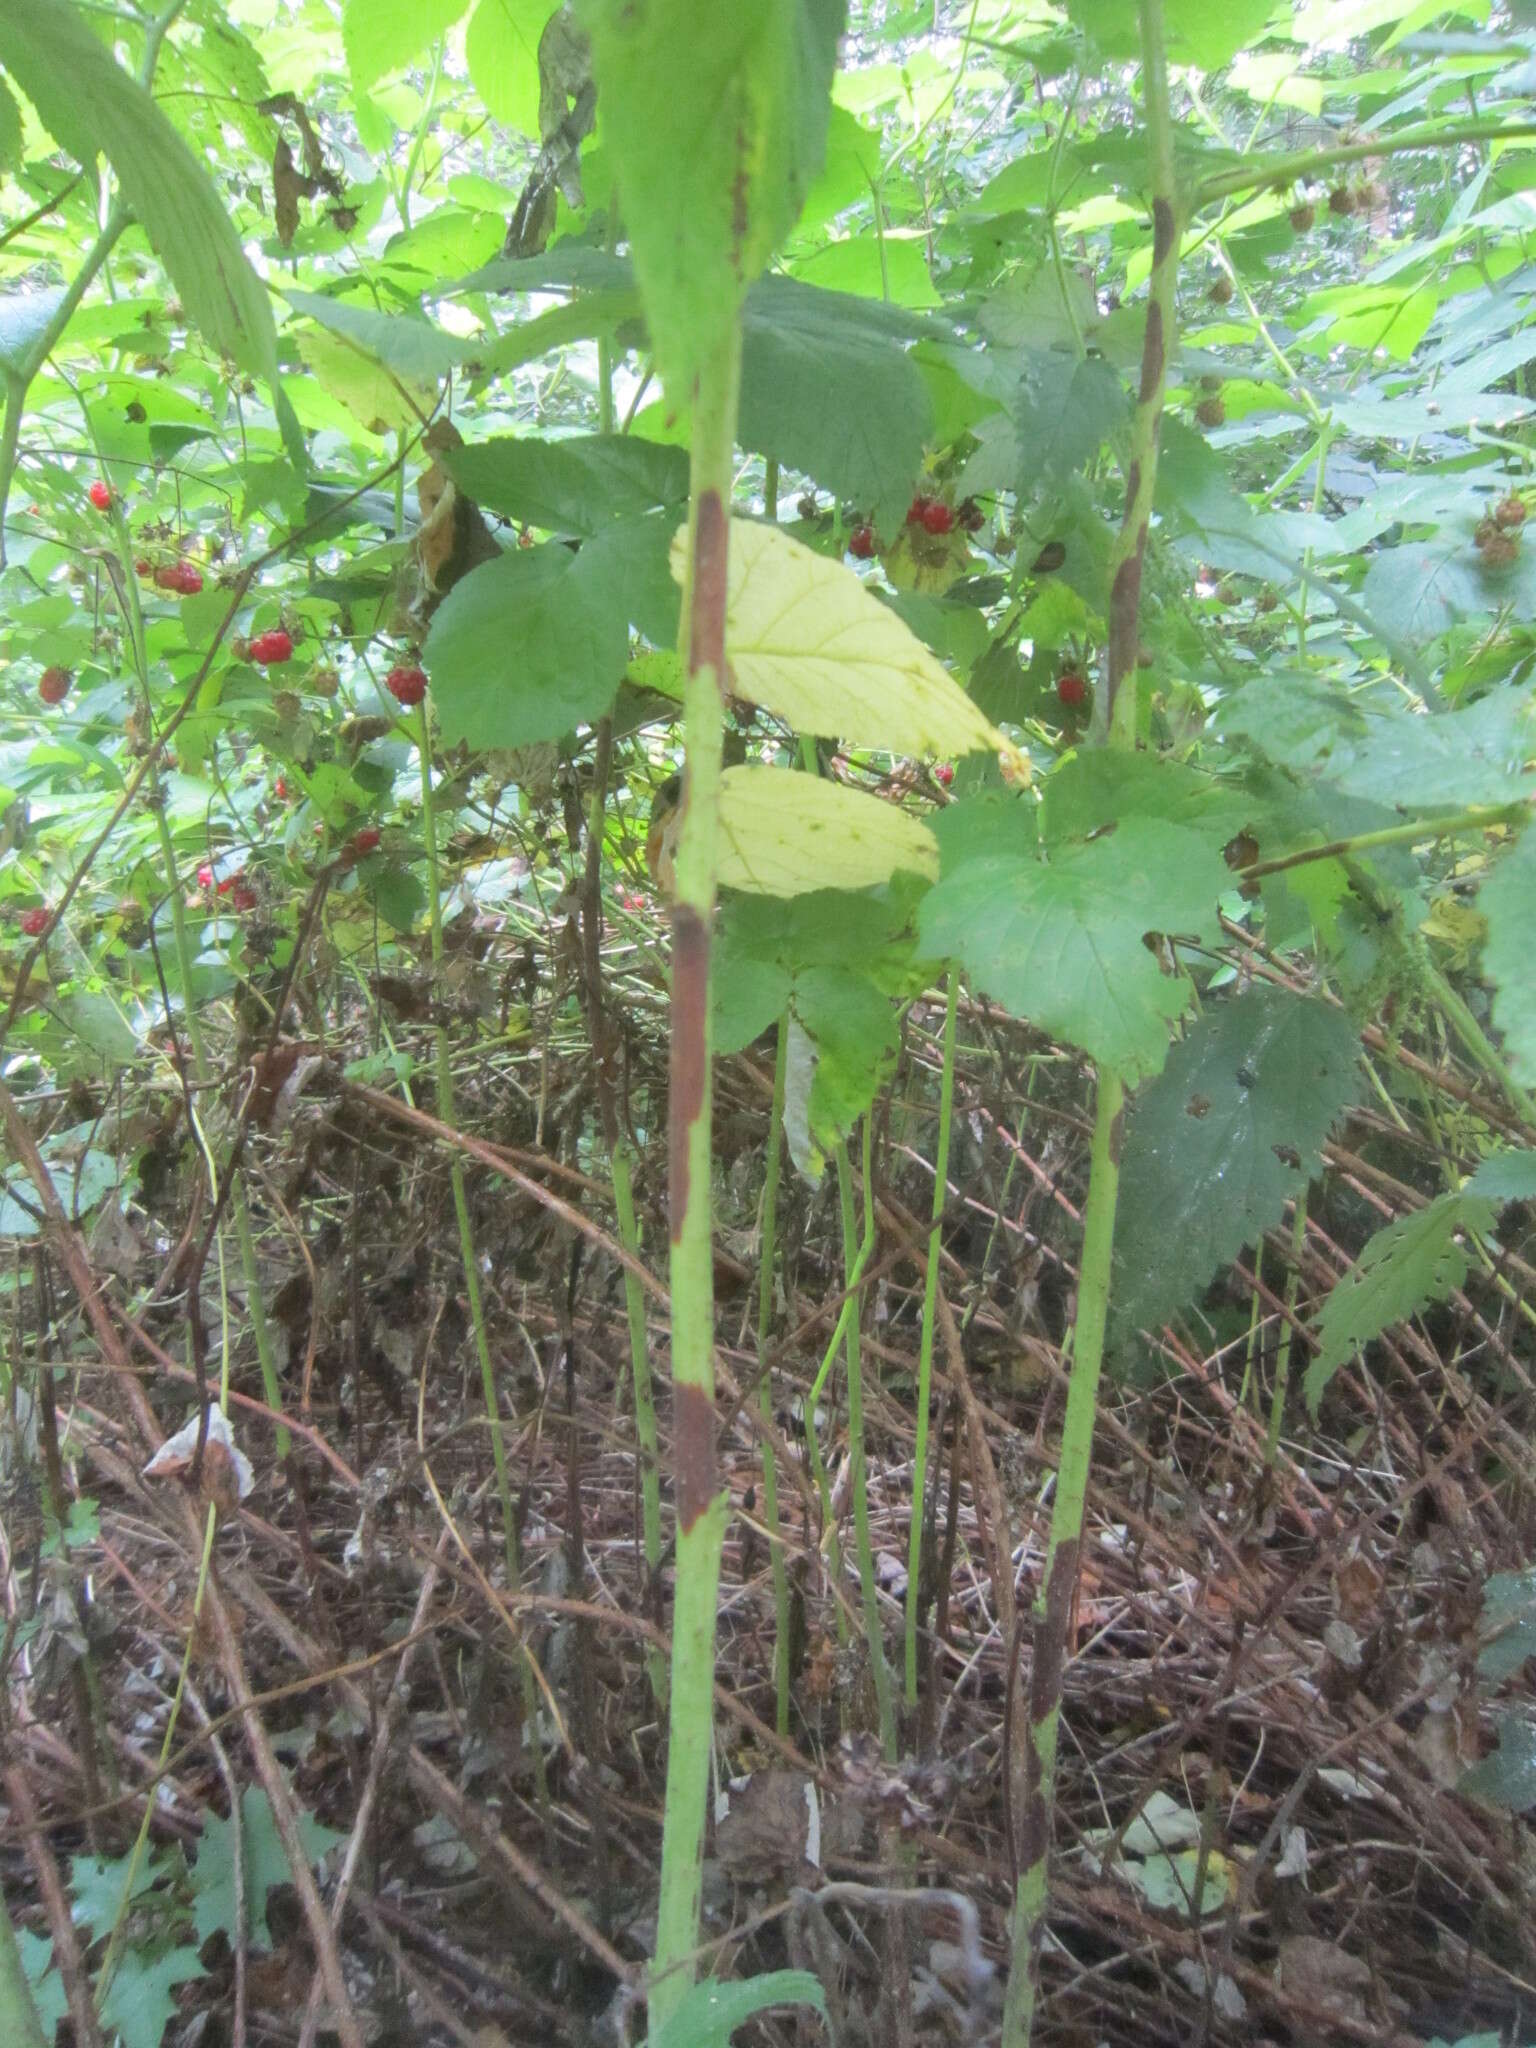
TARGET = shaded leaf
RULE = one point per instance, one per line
(263, 1861)
(1229, 1132)
(570, 486)
(828, 388)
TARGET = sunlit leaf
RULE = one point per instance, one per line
(811, 644)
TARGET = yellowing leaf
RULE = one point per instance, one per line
(784, 834)
(809, 643)
(377, 400)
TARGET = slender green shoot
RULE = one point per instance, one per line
(925, 1348)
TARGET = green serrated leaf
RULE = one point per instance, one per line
(1401, 1270)
(24, 316)
(44, 1982)
(501, 50)
(263, 1862)
(1507, 1779)
(1229, 1132)
(827, 387)
(530, 646)
(710, 191)
(1509, 1618)
(1068, 406)
(1061, 943)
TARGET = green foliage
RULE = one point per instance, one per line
(1412, 1262)
(1229, 1132)
(263, 1861)
(712, 2011)
(709, 192)
(1508, 901)
(1057, 933)
(93, 106)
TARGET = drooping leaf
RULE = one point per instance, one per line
(711, 189)
(809, 643)
(784, 834)
(1062, 942)
(843, 1030)
(570, 486)
(413, 348)
(1229, 1132)
(94, 107)
(1508, 901)
(264, 1865)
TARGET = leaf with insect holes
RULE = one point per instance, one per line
(783, 835)
(809, 643)
(711, 189)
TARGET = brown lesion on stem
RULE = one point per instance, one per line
(1162, 231)
(690, 993)
(693, 1450)
(706, 626)
(1152, 355)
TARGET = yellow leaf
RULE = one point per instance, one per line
(783, 834)
(809, 643)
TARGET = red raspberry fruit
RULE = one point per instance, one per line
(53, 685)
(100, 495)
(861, 542)
(407, 685)
(1072, 689)
(272, 648)
(35, 922)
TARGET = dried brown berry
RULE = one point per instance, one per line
(1210, 412)
(1500, 550)
(1510, 511)
(1302, 218)
(1341, 200)
(1221, 291)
